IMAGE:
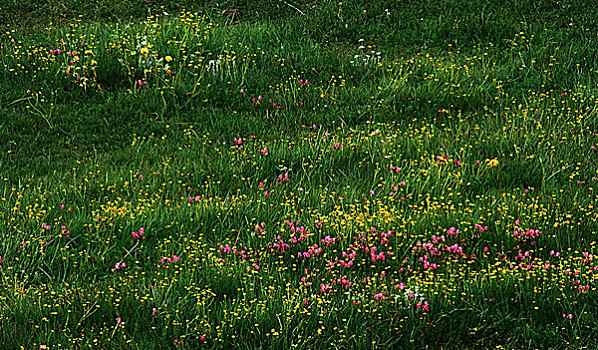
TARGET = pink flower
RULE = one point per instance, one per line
(242, 91)
(154, 311)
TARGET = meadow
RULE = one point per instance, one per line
(298, 174)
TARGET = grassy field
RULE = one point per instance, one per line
(298, 174)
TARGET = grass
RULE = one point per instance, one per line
(298, 174)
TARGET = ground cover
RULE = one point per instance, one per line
(298, 174)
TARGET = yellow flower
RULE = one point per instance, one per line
(144, 50)
(168, 59)
(492, 162)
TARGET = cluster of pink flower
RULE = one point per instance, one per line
(587, 257)
(141, 82)
(255, 267)
(328, 240)
(140, 234)
(438, 239)
(311, 251)
(581, 288)
(452, 231)
(521, 255)
(552, 252)
(350, 258)
(238, 141)
(304, 278)
(395, 188)
(263, 151)
(168, 259)
(284, 178)
(380, 296)
(480, 227)
(425, 306)
(55, 52)
(196, 199)
(256, 101)
(120, 265)
(343, 281)
(429, 250)
(374, 257)
(226, 248)
(66, 233)
(45, 226)
(336, 146)
(300, 231)
(456, 250)
(62, 208)
(531, 189)
(280, 245)
(395, 169)
(384, 236)
(444, 159)
(526, 235)
(261, 228)
(326, 288)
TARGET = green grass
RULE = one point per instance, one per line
(419, 117)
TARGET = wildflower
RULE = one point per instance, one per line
(492, 162)
(168, 59)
